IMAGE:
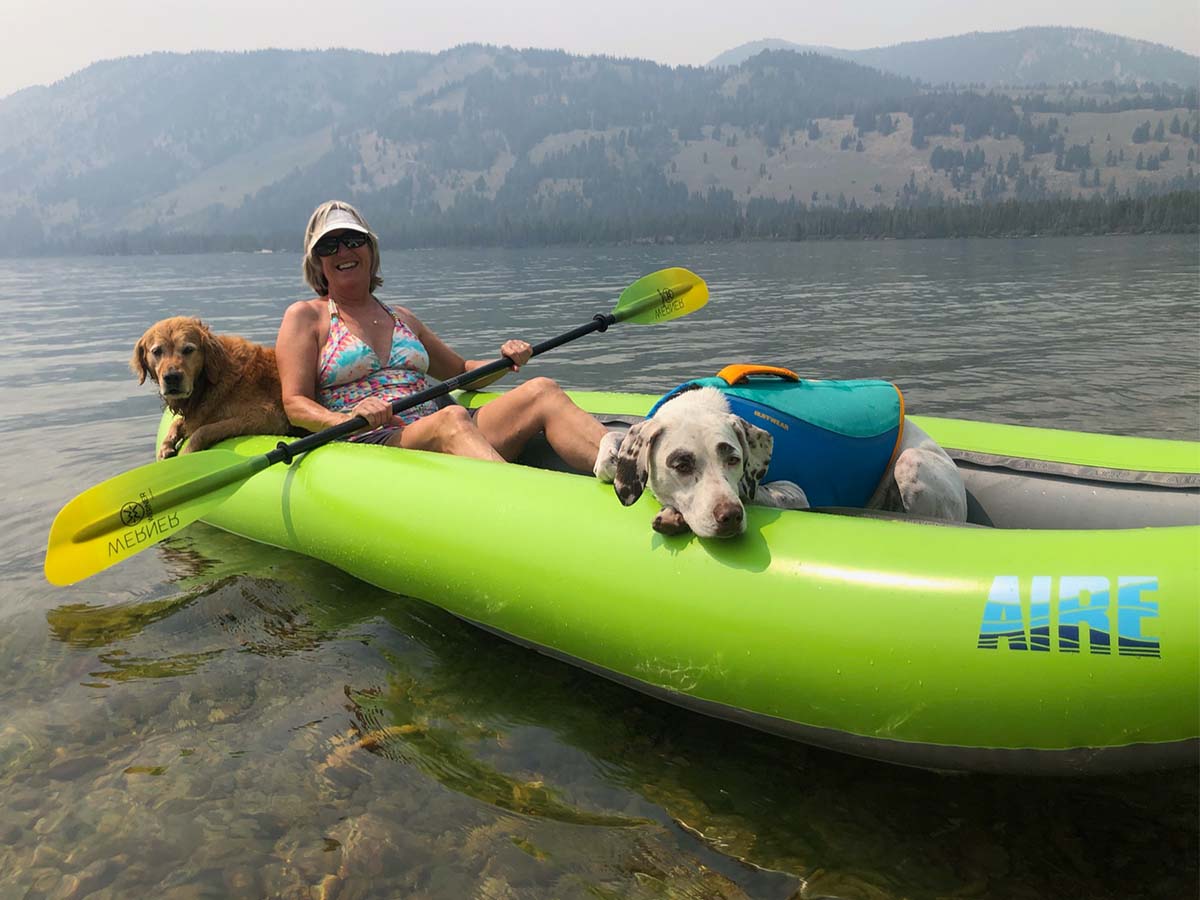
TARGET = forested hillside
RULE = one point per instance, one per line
(1023, 57)
(484, 145)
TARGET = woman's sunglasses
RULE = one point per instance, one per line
(329, 245)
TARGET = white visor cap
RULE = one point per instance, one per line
(337, 220)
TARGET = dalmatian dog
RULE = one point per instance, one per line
(703, 464)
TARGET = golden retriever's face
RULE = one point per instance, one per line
(176, 353)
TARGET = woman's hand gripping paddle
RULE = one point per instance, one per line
(112, 521)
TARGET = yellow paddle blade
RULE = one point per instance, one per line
(661, 296)
(131, 511)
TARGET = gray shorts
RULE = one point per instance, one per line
(384, 434)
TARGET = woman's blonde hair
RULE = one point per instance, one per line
(313, 274)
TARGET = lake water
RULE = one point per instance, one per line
(188, 723)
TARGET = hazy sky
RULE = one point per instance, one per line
(49, 39)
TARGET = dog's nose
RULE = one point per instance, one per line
(728, 516)
(172, 381)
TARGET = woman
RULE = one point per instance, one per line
(347, 354)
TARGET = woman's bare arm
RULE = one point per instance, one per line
(445, 363)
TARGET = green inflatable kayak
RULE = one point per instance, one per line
(1059, 632)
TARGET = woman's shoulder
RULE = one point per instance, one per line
(398, 309)
(306, 310)
(405, 315)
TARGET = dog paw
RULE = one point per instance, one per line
(929, 485)
(781, 495)
(605, 468)
(166, 451)
(670, 521)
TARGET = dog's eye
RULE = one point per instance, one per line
(156, 352)
(728, 455)
(188, 350)
(683, 463)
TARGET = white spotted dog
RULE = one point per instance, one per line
(922, 481)
(700, 461)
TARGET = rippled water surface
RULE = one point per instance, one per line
(214, 718)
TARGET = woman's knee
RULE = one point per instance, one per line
(451, 420)
(438, 431)
(541, 390)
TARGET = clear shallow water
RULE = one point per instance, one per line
(215, 718)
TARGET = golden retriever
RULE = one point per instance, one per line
(218, 386)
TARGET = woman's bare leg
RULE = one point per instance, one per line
(508, 423)
(448, 430)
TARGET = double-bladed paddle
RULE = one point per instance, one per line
(114, 520)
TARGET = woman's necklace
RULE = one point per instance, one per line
(377, 307)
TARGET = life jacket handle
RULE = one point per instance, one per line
(741, 372)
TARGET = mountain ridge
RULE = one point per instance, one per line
(1060, 55)
(491, 144)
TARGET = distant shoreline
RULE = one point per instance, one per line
(1177, 212)
(834, 238)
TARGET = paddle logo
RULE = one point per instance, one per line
(134, 512)
(669, 303)
(1072, 614)
(141, 527)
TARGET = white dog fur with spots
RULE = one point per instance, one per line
(703, 464)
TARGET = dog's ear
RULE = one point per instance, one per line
(216, 358)
(633, 460)
(138, 363)
(756, 455)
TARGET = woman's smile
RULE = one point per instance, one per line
(348, 267)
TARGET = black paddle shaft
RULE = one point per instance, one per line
(287, 452)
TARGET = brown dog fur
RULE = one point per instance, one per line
(218, 386)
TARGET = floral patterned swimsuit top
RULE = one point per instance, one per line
(349, 371)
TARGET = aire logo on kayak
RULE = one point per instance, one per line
(1089, 614)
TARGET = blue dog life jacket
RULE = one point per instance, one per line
(835, 439)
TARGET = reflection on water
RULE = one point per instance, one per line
(81, 625)
(400, 727)
(218, 718)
